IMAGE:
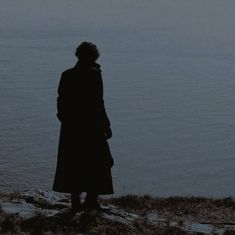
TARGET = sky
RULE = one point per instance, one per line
(209, 22)
(212, 15)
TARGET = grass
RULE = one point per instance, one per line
(204, 210)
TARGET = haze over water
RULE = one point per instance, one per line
(168, 71)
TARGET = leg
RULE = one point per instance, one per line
(91, 201)
(76, 201)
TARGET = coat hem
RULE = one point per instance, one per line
(81, 191)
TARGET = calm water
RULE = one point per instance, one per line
(172, 109)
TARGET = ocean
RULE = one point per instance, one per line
(171, 105)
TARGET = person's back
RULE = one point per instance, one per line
(84, 157)
(80, 97)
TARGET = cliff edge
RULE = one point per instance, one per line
(44, 212)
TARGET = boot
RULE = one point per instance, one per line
(76, 202)
(91, 202)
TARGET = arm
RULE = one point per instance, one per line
(60, 99)
(106, 121)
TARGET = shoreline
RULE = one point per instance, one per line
(47, 212)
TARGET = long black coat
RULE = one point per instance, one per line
(84, 158)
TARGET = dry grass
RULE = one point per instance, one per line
(176, 208)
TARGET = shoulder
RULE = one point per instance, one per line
(67, 72)
(66, 77)
(95, 68)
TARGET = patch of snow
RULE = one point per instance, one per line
(46, 198)
(24, 210)
(205, 228)
(154, 218)
(119, 215)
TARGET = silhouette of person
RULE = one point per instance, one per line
(84, 159)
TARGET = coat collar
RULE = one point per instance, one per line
(87, 65)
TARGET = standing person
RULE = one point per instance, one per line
(84, 158)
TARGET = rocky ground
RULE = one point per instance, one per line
(43, 212)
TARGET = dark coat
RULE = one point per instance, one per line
(84, 158)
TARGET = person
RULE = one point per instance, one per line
(84, 159)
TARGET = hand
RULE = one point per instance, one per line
(59, 117)
(111, 162)
(108, 133)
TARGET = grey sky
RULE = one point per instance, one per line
(123, 13)
(209, 21)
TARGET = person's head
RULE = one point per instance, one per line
(87, 52)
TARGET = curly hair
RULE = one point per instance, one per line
(87, 51)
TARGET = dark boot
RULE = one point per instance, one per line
(91, 202)
(76, 202)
